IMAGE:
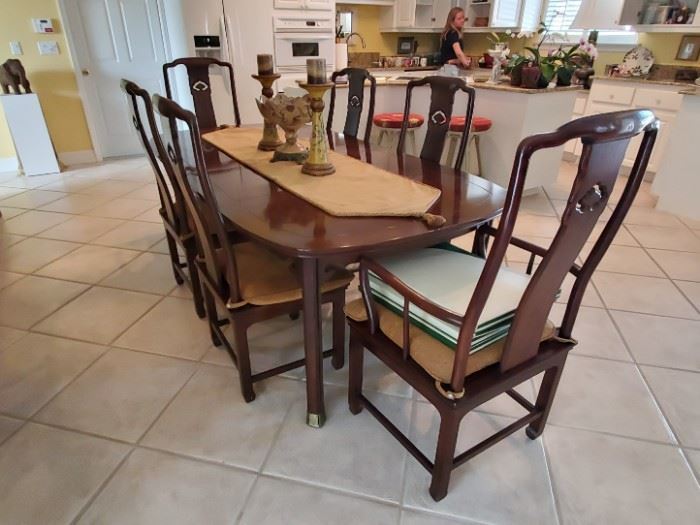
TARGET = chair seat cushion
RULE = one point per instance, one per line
(430, 354)
(265, 277)
(479, 124)
(395, 120)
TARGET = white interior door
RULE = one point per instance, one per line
(115, 39)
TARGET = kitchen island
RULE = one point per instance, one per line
(516, 113)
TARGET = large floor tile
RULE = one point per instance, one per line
(680, 239)
(595, 332)
(76, 204)
(171, 328)
(47, 475)
(154, 487)
(537, 204)
(694, 459)
(70, 185)
(507, 483)
(133, 235)
(114, 188)
(33, 222)
(99, 315)
(607, 479)
(8, 426)
(10, 336)
(536, 225)
(149, 272)
(81, 229)
(119, 396)
(622, 237)
(121, 208)
(31, 199)
(661, 341)
(152, 215)
(27, 301)
(275, 501)
(209, 419)
(414, 517)
(88, 264)
(351, 453)
(678, 265)
(590, 296)
(8, 239)
(37, 367)
(625, 259)
(7, 278)
(691, 291)
(648, 295)
(9, 212)
(31, 254)
(607, 396)
(148, 192)
(677, 392)
(651, 217)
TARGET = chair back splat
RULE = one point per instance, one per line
(356, 96)
(201, 202)
(200, 88)
(442, 97)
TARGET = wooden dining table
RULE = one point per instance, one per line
(289, 225)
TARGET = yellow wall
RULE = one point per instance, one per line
(51, 76)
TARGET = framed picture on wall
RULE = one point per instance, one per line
(689, 48)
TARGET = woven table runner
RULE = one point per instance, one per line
(356, 189)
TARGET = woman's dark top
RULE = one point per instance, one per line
(447, 52)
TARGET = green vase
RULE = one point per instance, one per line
(564, 76)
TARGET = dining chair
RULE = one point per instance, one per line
(461, 329)
(245, 280)
(200, 87)
(172, 211)
(442, 98)
(356, 97)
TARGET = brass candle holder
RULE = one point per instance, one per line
(317, 163)
(270, 140)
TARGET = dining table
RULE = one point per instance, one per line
(289, 225)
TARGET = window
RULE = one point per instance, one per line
(560, 14)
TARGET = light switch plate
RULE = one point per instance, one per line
(48, 47)
(15, 48)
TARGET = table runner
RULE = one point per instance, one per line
(356, 189)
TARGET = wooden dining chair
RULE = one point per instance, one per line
(172, 211)
(442, 98)
(356, 97)
(462, 329)
(245, 280)
(199, 81)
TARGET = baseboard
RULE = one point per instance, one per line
(8, 164)
(71, 158)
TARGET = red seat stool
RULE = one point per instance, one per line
(480, 125)
(390, 124)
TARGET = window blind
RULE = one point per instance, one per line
(560, 14)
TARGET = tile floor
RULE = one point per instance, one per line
(105, 420)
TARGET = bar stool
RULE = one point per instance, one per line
(390, 125)
(480, 125)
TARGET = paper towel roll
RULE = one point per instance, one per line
(341, 56)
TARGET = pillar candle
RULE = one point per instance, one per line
(316, 70)
(265, 65)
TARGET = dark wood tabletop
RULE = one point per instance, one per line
(286, 223)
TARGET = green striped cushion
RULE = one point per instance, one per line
(448, 278)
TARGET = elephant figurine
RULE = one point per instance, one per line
(12, 74)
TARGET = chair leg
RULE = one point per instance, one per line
(478, 155)
(356, 358)
(243, 357)
(444, 455)
(338, 359)
(382, 134)
(174, 257)
(212, 315)
(412, 136)
(196, 285)
(545, 398)
(451, 148)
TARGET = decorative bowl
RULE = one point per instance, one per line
(290, 114)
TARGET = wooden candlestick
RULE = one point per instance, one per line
(270, 140)
(317, 163)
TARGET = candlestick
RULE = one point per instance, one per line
(316, 70)
(317, 163)
(270, 140)
(265, 65)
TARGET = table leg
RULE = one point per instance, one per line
(311, 286)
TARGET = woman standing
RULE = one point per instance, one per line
(451, 39)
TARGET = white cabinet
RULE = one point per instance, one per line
(573, 147)
(432, 14)
(321, 5)
(405, 13)
(505, 13)
(651, 15)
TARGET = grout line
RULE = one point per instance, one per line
(552, 490)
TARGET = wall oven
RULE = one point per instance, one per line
(298, 37)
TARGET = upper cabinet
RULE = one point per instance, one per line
(650, 15)
(481, 15)
(321, 5)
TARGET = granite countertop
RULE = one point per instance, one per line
(646, 81)
(691, 92)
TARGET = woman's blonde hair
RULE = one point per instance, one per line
(450, 22)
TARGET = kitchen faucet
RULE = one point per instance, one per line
(347, 39)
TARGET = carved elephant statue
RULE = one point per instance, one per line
(12, 75)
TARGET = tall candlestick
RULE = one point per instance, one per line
(316, 70)
(265, 65)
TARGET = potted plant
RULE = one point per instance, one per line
(514, 67)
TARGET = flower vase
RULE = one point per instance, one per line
(564, 76)
(531, 77)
